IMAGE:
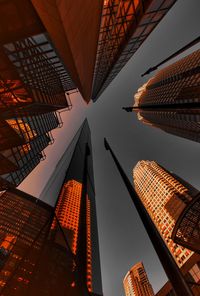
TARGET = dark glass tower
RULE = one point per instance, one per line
(125, 25)
(23, 140)
(76, 212)
(47, 251)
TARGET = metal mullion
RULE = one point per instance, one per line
(33, 46)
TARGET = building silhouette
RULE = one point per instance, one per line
(136, 282)
(46, 250)
(23, 140)
(165, 197)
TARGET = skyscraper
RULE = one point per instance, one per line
(76, 212)
(165, 196)
(125, 25)
(136, 282)
(163, 101)
(177, 85)
(96, 39)
(50, 251)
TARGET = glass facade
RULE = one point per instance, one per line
(23, 141)
(124, 27)
(43, 79)
(179, 122)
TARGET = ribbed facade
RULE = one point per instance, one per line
(68, 213)
(136, 282)
(178, 83)
(165, 198)
(181, 123)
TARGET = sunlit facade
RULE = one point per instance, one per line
(175, 85)
(24, 225)
(76, 214)
(68, 213)
(136, 282)
(165, 197)
(125, 25)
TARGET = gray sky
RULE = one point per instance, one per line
(123, 241)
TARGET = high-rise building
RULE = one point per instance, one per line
(23, 140)
(163, 101)
(136, 282)
(165, 196)
(125, 25)
(95, 40)
(183, 123)
(76, 212)
(174, 86)
(53, 251)
(40, 63)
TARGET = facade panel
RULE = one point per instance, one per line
(125, 25)
(165, 196)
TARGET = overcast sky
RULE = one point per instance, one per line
(123, 241)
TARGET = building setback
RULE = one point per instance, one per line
(165, 196)
(23, 140)
(136, 282)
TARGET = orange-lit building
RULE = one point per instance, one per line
(68, 214)
(125, 25)
(64, 61)
(169, 100)
(165, 196)
(136, 282)
(95, 40)
(47, 250)
(76, 214)
(176, 85)
(24, 224)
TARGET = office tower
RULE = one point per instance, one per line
(76, 212)
(64, 61)
(165, 197)
(125, 25)
(24, 225)
(183, 123)
(50, 251)
(23, 140)
(95, 40)
(136, 282)
(31, 261)
(177, 85)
